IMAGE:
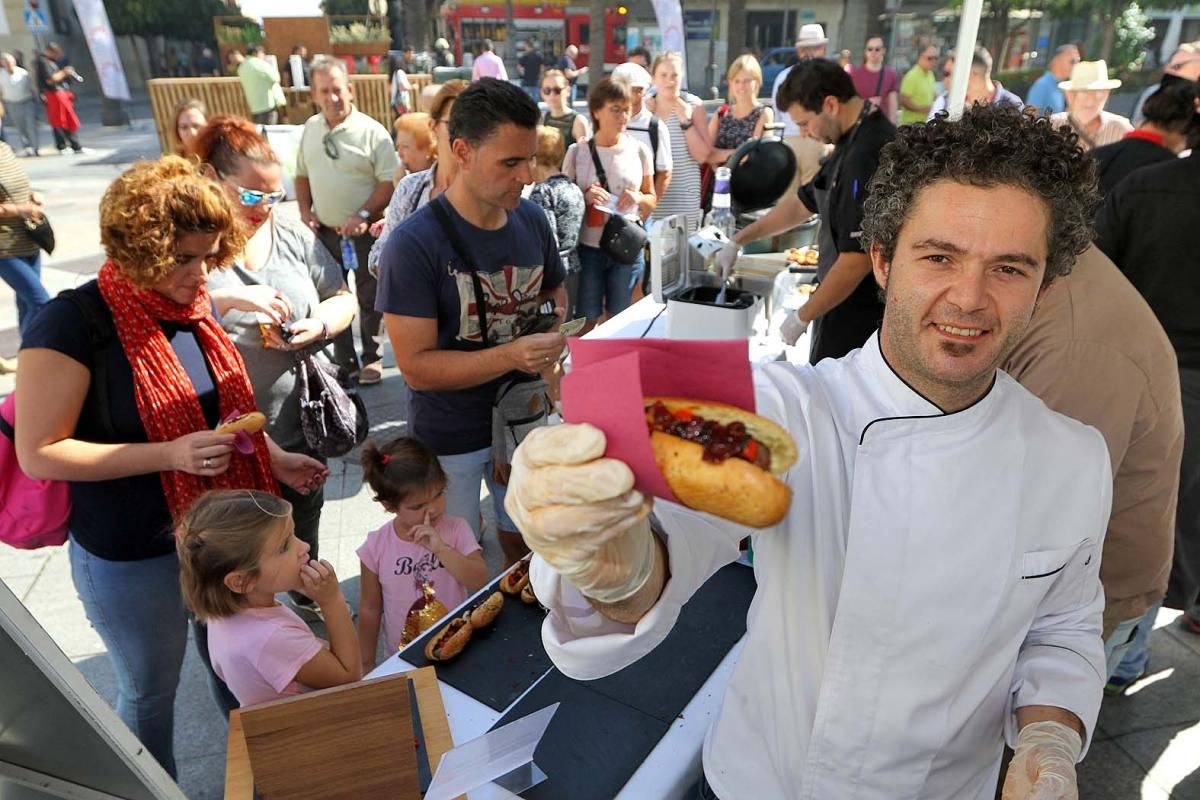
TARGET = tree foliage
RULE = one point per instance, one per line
(189, 20)
(356, 7)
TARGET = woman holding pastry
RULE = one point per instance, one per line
(121, 386)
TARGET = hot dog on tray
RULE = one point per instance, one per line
(449, 641)
(722, 459)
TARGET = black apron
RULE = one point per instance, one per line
(848, 325)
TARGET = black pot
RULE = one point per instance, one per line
(761, 170)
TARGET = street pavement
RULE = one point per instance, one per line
(1147, 744)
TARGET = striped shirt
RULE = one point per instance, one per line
(683, 195)
(14, 188)
(1113, 128)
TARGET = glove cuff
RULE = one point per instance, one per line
(641, 565)
(1050, 732)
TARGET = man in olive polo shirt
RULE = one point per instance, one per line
(343, 183)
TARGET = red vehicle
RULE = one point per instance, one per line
(552, 24)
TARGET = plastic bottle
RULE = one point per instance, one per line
(349, 257)
(721, 215)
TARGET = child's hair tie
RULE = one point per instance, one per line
(385, 459)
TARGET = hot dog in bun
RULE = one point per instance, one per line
(250, 423)
(515, 580)
(486, 612)
(449, 641)
(722, 459)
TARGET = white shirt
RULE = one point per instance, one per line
(790, 128)
(934, 573)
(639, 128)
(15, 87)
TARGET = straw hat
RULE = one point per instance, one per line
(811, 35)
(1089, 76)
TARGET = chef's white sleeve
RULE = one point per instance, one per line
(584, 644)
(1061, 662)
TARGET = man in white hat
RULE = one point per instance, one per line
(1087, 91)
(644, 126)
(809, 152)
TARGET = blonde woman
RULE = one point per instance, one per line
(688, 129)
(744, 117)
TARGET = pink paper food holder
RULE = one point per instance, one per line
(610, 378)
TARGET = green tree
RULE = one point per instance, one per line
(1118, 27)
(336, 7)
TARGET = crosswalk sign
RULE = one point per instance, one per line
(35, 20)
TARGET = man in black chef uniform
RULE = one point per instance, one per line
(845, 310)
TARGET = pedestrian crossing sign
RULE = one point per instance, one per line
(35, 20)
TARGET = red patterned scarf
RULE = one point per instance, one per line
(166, 399)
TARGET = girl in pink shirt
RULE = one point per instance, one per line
(421, 560)
(237, 550)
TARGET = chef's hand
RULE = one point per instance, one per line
(580, 512)
(1043, 765)
(792, 329)
(726, 259)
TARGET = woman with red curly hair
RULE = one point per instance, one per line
(282, 275)
(120, 387)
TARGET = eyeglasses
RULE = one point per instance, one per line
(252, 197)
(557, 90)
(331, 148)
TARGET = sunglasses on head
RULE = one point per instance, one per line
(252, 197)
(331, 148)
(547, 90)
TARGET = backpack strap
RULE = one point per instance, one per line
(652, 129)
(102, 332)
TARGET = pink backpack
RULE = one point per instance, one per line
(33, 513)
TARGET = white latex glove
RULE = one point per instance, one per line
(1043, 765)
(792, 329)
(580, 512)
(726, 258)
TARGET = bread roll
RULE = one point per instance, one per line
(250, 423)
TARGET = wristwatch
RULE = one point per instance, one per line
(363, 213)
(685, 124)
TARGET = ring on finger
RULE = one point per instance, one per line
(207, 463)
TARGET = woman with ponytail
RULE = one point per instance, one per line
(120, 387)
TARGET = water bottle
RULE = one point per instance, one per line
(349, 257)
(721, 215)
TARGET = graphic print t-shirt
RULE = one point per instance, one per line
(420, 275)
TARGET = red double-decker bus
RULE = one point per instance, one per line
(553, 25)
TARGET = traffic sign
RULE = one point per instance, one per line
(35, 17)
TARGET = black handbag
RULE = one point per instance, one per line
(40, 232)
(621, 239)
(333, 417)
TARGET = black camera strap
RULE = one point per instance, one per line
(443, 217)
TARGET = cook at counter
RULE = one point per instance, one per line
(845, 309)
(933, 589)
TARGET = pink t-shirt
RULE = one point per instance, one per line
(489, 65)
(258, 651)
(402, 567)
(865, 83)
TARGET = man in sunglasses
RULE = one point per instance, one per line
(344, 171)
(918, 90)
(1044, 93)
(1183, 63)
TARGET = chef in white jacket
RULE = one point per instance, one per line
(934, 589)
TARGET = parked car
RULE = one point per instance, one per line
(774, 61)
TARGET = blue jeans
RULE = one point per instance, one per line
(1127, 657)
(137, 609)
(535, 92)
(604, 285)
(24, 275)
(463, 473)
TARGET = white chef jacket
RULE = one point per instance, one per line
(934, 573)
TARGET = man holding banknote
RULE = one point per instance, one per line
(933, 589)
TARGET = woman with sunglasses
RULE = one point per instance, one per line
(284, 292)
(418, 188)
(556, 94)
(120, 387)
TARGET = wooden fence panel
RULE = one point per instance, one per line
(372, 96)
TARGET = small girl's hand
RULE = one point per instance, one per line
(319, 581)
(427, 536)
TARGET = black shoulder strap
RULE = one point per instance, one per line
(600, 176)
(879, 83)
(102, 333)
(443, 218)
(652, 129)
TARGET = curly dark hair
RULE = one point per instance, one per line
(991, 145)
